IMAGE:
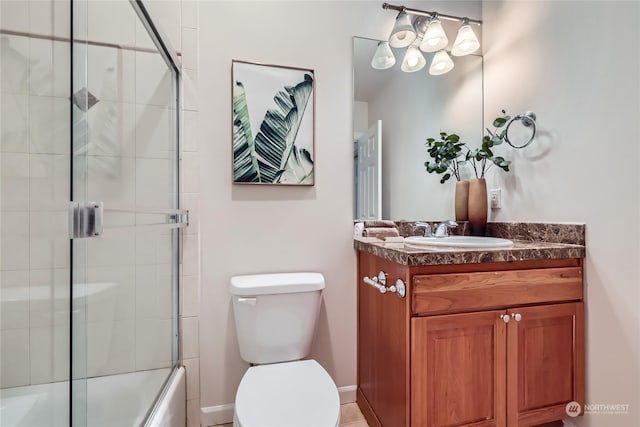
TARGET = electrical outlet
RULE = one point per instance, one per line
(495, 198)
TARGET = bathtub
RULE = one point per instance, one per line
(114, 400)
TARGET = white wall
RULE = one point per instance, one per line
(576, 64)
(250, 229)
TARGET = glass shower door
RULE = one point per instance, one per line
(126, 217)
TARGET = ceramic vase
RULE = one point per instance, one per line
(461, 201)
(477, 206)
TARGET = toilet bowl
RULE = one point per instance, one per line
(290, 394)
(275, 316)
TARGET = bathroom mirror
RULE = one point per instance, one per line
(401, 110)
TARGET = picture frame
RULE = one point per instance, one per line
(273, 124)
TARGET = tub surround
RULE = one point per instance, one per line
(531, 241)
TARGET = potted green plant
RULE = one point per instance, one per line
(447, 158)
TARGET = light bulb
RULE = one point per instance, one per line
(441, 63)
(413, 60)
(383, 58)
(434, 38)
(466, 41)
(402, 34)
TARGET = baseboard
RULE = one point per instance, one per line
(215, 415)
(223, 414)
(347, 394)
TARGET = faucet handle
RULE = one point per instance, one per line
(427, 228)
(442, 230)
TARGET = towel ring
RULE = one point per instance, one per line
(528, 119)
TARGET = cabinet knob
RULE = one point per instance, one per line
(505, 318)
(516, 316)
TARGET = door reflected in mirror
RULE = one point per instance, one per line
(394, 113)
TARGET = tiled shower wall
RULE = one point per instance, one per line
(129, 132)
(190, 296)
(34, 123)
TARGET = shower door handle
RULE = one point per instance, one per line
(85, 219)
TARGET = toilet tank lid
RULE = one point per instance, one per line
(277, 283)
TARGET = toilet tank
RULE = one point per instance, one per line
(276, 315)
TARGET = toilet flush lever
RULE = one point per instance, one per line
(249, 301)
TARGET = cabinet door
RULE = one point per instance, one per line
(545, 361)
(383, 347)
(458, 370)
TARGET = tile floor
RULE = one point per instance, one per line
(350, 416)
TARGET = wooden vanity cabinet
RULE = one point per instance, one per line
(445, 356)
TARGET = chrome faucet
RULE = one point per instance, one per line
(427, 228)
(442, 229)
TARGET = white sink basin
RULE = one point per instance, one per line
(459, 241)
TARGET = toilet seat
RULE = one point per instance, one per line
(290, 394)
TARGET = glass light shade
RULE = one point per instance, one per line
(434, 38)
(403, 33)
(383, 58)
(413, 60)
(466, 41)
(441, 63)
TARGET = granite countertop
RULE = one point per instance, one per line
(526, 246)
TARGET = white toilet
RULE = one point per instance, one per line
(276, 316)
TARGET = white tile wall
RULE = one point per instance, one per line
(117, 302)
(49, 17)
(153, 343)
(14, 195)
(111, 347)
(154, 136)
(190, 93)
(14, 254)
(112, 130)
(49, 68)
(49, 298)
(49, 359)
(14, 370)
(190, 126)
(14, 64)
(190, 9)
(111, 74)
(190, 338)
(14, 291)
(48, 239)
(101, 16)
(192, 367)
(14, 15)
(190, 296)
(153, 292)
(49, 129)
(14, 117)
(153, 80)
(191, 175)
(49, 182)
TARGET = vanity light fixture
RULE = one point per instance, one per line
(425, 34)
(413, 60)
(403, 33)
(441, 63)
(434, 38)
(383, 58)
(466, 40)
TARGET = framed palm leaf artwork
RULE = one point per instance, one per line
(273, 124)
